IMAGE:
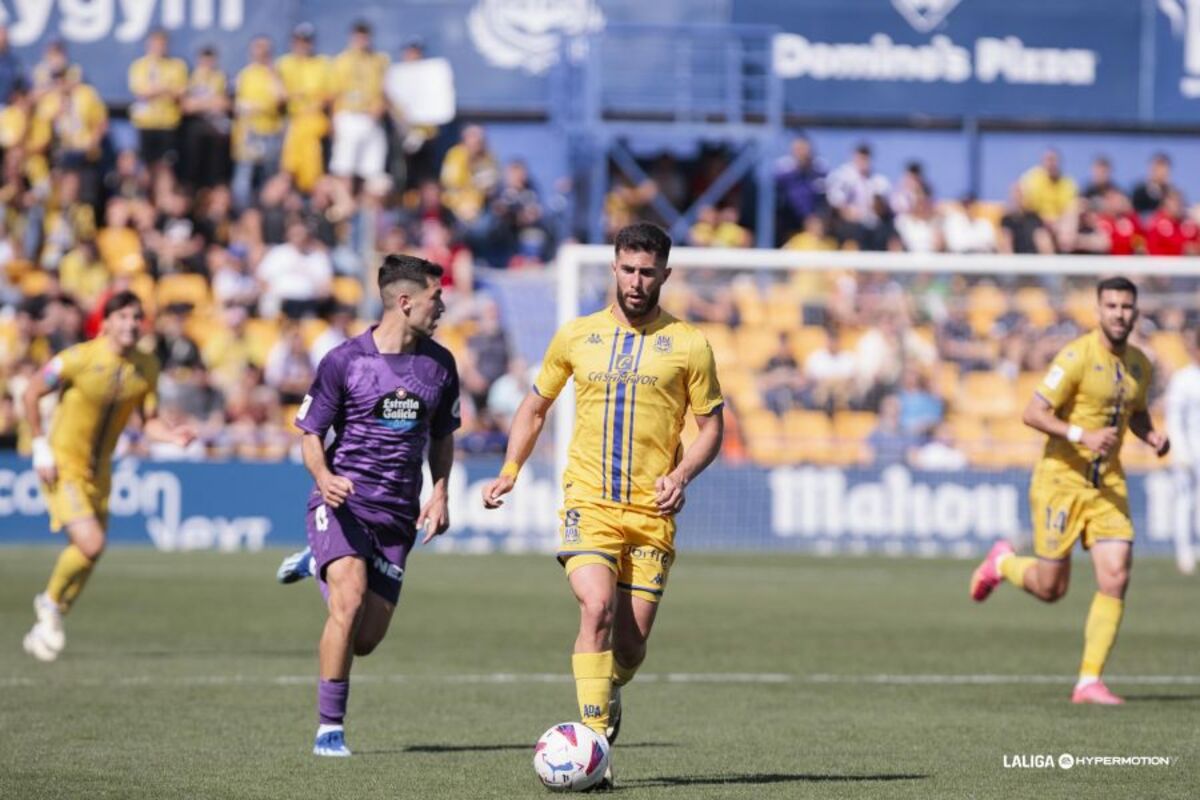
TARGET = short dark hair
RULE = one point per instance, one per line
(119, 301)
(1117, 283)
(644, 237)
(361, 26)
(398, 268)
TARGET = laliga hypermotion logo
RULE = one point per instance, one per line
(526, 33)
(1184, 16)
(925, 15)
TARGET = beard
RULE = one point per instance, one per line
(1117, 338)
(650, 302)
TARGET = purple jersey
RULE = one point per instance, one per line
(383, 409)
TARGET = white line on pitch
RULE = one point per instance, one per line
(505, 678)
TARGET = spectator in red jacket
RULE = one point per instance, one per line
(1169, 232)
(1123, 227)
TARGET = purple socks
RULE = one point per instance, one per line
(331, 701)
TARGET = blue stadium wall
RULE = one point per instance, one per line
(236, 506)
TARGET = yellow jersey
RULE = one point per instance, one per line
(1089, 386)
(259, 99)
(76, 117)
(100, 389)
(148, 74)
(633, 387)
(356, 81)
(306, 79)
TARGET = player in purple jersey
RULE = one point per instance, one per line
(378, 400)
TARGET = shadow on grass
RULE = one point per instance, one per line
(481, 748)
(762, 778)
(1162, 698)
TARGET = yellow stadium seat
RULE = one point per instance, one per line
(808, 436)
(1033, 302)
(992, 211)
(985, 303)
(35, 283)
(783, 309)
(805, 341)
(143, 286)
(987, 394)
(1080, 305)
(850, 432)
(756, 345)
(945, 379)
(1027, 383)
(261, 335)
(762, 432)
(748, 302)
(347, 290)
(1170, 349)
(1015, 444)
(289, 417)
(184, 288)
(201, 327)
(311, 328)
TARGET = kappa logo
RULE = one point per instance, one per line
(594, 339)
(1184, 16)
(662, 343)
(520, 33)
(925, 15)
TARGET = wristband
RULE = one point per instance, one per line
(43, 456)
(510, 470)
(1074, 434)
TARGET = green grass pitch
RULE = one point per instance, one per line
(192, 675)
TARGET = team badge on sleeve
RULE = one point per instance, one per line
(1054, 376)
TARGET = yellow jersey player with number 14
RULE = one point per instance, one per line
(1094, 391)
(638, 371)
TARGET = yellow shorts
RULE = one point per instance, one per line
(72, 499)
(1066, 509)
(637, 546)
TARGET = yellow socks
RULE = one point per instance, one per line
(1013, 568)
(70, 573)
(593, 687)
(1103, 620)
(622, 674)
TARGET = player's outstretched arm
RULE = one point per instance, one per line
(334, 489)
(527, 425)
(435, 514)
(1040, 416)
(1142, 427)
(669, 489)
(43, 456)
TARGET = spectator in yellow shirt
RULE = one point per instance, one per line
(1047, 191)
(158, 82)
(54, 58)
(206, 124)
(469, 173)
(77, 120)
(258, 123)
(306, 77)
(359, 140)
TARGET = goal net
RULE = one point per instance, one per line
(873, 400)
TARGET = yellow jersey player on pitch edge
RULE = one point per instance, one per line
(103, 382)
(638, 371)
(1094, 391)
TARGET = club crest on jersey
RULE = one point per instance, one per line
(399, 410)
(662, 343)
(593, 339)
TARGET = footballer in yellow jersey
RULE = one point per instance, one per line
(1095, 390)
(638, 371)
(102, 383)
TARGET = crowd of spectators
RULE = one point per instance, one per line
(250, 213)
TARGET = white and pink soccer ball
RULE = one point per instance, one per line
(570, 757)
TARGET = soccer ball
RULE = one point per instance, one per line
(570, 757)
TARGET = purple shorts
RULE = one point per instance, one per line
(338, 533)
